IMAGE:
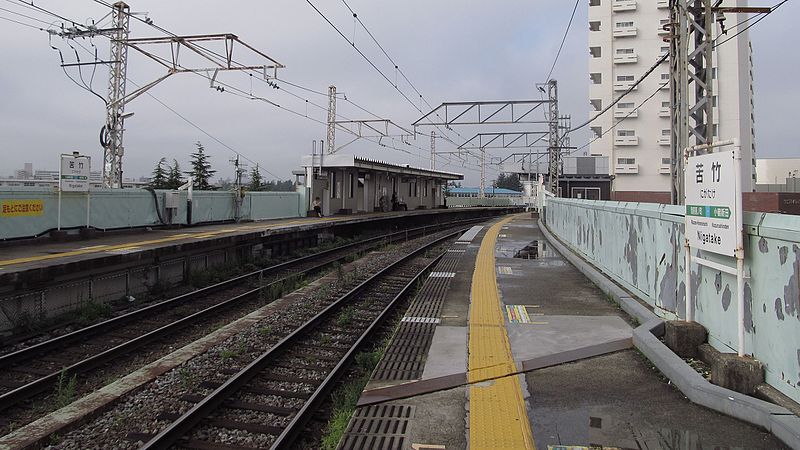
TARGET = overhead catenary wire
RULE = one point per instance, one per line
(31, 5)
(194, 125)
(212, 54)
(763, 16)
(24, 15)
(561, 46)
(23, 23)
(374, 66)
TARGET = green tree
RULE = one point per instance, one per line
(256, 181)
(174, 179)
(159, 178)
(278, 186)
(201, 172)
(509, 182)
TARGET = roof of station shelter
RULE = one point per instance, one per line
(334, 161)
(488, 190)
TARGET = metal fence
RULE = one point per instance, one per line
(129, 208)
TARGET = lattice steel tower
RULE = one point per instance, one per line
(111, 136)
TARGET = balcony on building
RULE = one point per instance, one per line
(623, 5)
(628, 113)
(664, 27)
(595, 52)
(594, 25)
(597, 131)
(625, 58)
(624, 85)
(596, 77)
(665, 168)
(626, 140)
(665, 138)
(661, 4)
(624, 29)
(664, 112)
(622, 169)
(597, 104)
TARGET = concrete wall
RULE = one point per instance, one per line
(128, 208)
(640, 245)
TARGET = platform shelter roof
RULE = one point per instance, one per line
(340, 161)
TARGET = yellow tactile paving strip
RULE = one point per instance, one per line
(173, 238)
(497, 415)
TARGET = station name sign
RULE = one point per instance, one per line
(75, 171)
(711, 190)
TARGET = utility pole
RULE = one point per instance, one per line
(112, 131)
(115, 108)
(482, 191)
(679, 101)
(701, 74)
(331, 118)
(691, 66)
(433, 150)
(554, 147)
(238, 197)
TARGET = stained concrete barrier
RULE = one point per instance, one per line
(776, 419)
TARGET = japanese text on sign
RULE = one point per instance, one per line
(19, 208)
(712, 185)
(75, 171)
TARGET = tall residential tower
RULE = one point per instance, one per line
(626, 37)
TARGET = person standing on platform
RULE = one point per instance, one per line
(317, 205)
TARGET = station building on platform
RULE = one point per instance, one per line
(348, 184)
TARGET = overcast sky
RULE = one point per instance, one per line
(451, 51)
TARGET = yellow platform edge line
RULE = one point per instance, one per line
(498, 417)
(177, 237)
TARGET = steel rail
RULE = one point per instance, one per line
(187, 421)
(32, 351)
(41, 384)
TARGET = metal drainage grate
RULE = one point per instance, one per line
(404, 359)
(379, 427)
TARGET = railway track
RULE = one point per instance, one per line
(268, 402)
(36, 370)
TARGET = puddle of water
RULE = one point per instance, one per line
(535, 250)
(576, 431)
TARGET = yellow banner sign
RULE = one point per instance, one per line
(17, 208)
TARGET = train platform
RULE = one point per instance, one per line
(29, 254)
(132, 244)
(42, 280)
(508, 346)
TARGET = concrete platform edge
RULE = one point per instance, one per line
(779, 421)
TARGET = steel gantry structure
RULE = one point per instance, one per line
(508, 112)
(363, 128)
(111, 134)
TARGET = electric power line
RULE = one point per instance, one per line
(627, 91)
(771, 10)
(374, 66)
(23, 23)
(566, 32)
(631, 112)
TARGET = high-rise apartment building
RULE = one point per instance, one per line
(626, 37)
